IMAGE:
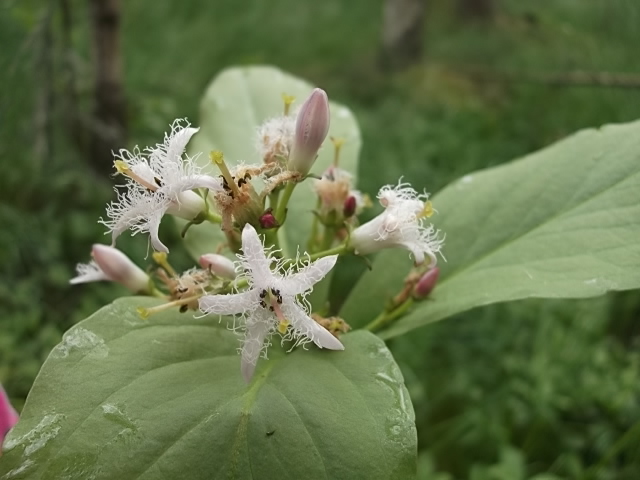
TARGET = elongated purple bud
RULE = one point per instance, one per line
(312, 126)
(218, 265)
(117, 267)
(426, 283)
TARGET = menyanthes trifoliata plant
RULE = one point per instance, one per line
(247, 280)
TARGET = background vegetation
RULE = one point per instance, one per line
(534, 389)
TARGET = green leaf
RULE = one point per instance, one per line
(121, 397)
(235, 104)
(561, 223)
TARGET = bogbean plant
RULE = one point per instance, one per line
(241, 367)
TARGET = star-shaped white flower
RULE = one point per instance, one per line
(402, 224)
(272, 302)
(159, 181)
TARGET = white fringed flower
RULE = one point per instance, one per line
(110, 264)
(159, 181)
(402, 224)
(272, 302)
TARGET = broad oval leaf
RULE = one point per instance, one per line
(235, 104)
(561, 223)
(121, 397)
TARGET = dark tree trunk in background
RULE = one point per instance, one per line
(109, 125)
(476, 9)
(77, 130)
(402, 33)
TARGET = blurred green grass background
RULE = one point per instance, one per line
(529, 390)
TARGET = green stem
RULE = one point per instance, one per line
(339, 250)
(281, 211)
(271, 237)
(212, 217)
(327, 240)
(313, 237)
(386, 318)
(331, 226)
(273, 200)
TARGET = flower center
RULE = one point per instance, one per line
(272, 299)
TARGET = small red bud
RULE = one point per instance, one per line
(268, 220)
(349, 208)
(426, 283)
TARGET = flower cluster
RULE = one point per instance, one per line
(263, 290)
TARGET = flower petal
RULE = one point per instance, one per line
(88, 272)
(189, 182)
(306, 326)
(230, 304)
(154, 226)
(306, 277)
(255, 258)
(258, 327)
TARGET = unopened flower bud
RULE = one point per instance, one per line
(117, 267)
(350, 205)
(426, 283)
(8, 415)
(219, 265)
(312, 126)
(268, 220)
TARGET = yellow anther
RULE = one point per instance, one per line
(337, 146)
(121, 167)
(217, 158)
(161, 259)
(143, 312)
(288, 100)
(427, 211)
(282, 326)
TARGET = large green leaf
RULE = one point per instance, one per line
(234, 105)
(561, 223)
(121, 397)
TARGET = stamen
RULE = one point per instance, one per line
(282, 326)
(427, 211)
(123, 169)
(337, 145)
(161, 259)
(217, 158)
(288, 100)
(147, 312)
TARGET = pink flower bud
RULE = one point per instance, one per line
(268, 220)
(349, 207)
(312, 126)
(117, 267)
(8, 416)
(426, 283)
(219, 265)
